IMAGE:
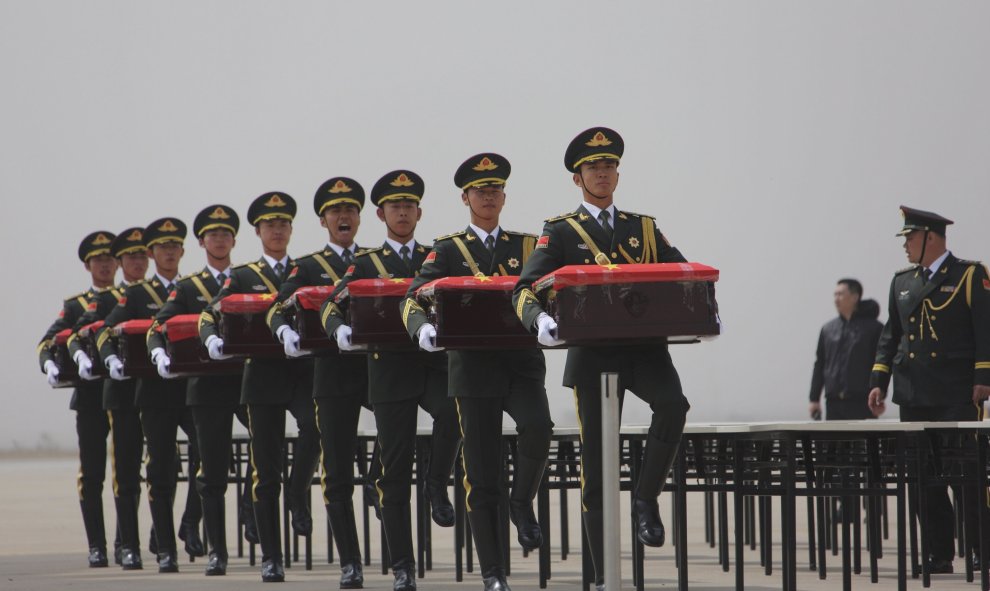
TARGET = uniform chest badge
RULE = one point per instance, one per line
(324, 275)
(582, 245)
(259, 288)
(513, 262)
(200, 298)
(543, 242)
(948, 288)
(903, 295)
(634, 242)
(153, 306)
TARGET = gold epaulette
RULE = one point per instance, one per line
(968, 262)
(523, 234)
(448, 236)
(561, 217)
(620, 213)
(189, 276)
(369, 251)
(81, 294)
(243, 265)
(906, 269)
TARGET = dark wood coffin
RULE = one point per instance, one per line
(374, 316)
(132, 345)
(87, 340)
(474, 313)
(625, 304)
(241, 325)
(187, 353)
(68, 373)
(303, 311)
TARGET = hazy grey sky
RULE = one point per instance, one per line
(773, 140)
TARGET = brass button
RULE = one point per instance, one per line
(615, 256)
(494, 274)
(911, 319)
(933, 318)
(911, 337)
(934, 354)
(376, 355)
(637, 259)
(586, 261)
(911, 355)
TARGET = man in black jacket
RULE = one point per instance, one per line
(847, 345)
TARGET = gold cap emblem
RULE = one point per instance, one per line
(340, 187)
(485, 164)
(219, 214)
(101, 239)
(599, 140)
(168, 226)
(275, 201)
(402, 181)
(134, 236)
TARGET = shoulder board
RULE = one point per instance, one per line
(569, 214)
(968, 262)
(81, 294)
(525, 234)
(309, 255)
(369, 251)
(639, 215)
(448, 236)
(187, 277)
(242, 265)
(111, 288)
(905, 269)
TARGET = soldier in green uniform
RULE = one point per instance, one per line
(340, 382)
(598, 232)
(398, 382)
(92, 426)
(487, 383)
(936, 343)
(272, 386)
(127, 441)
(161, 403)
(214, 399)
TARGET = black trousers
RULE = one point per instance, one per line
(337, 420)
(92, 428)
(214, 427)
(941, 519)
(267, 428)
(480, 421)
(161, 427)
(652, 379)
(127, 451)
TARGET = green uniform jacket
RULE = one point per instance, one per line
(388, 372)
(191, 295)
(937, 337)
(142, 299)
(323, 267)
(635, 239)
(264, 379)
(116, 395)
(477, 373)
(87, 395)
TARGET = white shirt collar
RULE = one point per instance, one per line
(272, 262)
(166, 282)
(215, 273)
(340, 249)
(937, 263)
(594, 210)
(397, 246)
(484, 235)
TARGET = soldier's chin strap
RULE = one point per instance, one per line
(924, 245)
(588, 191)
(400, 235)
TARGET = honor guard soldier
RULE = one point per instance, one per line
(936, 344)
(161, 403)
(272, 386)
(486, 383)
(340, 382)
(398, 382)
(213, 399)
(118, 400)
(92, 425)
(599, 232)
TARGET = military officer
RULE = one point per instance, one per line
(486, 383)
(936, 344)
(340, 382)
(598, 232)
(92, 426)
(271, 386)
(118, 399)
(214, 399)
(161, 403)
(398, 382)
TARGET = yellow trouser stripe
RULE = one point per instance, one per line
(113, 457)
(577, 408)
(254, 468)
(467, 483)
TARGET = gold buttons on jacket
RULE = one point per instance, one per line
(911, 319)
(911, 355)
(911, 337)
(934, 354)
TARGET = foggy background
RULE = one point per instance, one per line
(773, 140)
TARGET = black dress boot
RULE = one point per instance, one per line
(594, 534)
(116, 545)
(168, 562)
(487, 541)
(246, 511)
(525, 484)
(164, 534)
(98, 558)
(269, 531)
(214, 517)
(340, 514)
(494, 580)
(92, 514)
(127, 525)
(189, 534)
(398, 534)
(297, 490)
(192, 515)
(442, 455)
(658, 457)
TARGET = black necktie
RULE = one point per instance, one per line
(347, 256)
(404, 254)
(490, 244)
(926, 275)
(603, 217)
(279, 269)
(221, 278)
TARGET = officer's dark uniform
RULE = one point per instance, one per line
(92, 425)
(213, 399)
(340, 385)
(269, 388)
(397, 383)
(162, 407)
(936, 343)
(647, 370)
(486, 383)
(126, 438)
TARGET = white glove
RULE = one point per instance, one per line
(214, 345)
(290, 341)
(343, 338)
(84, 364)
(546, 331)
(428, 338)
(116, 368)
(51, 372)
(161, 359)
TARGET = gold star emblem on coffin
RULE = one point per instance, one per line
(634, 242)
(397, 280)
(513, 262)
(482, 278)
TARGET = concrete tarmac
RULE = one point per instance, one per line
(43, 547)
